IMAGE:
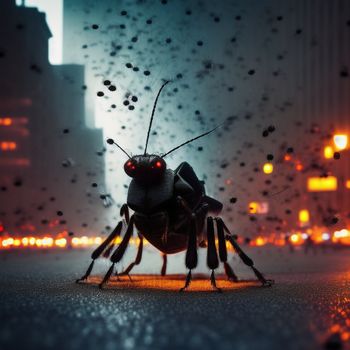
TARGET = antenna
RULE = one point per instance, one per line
(189, 141)
(153, 110)
(112, 142)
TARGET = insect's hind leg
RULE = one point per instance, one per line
(246, 260)
(212, 256)
(231, 276)
(191, 253)
(164, 266)
(119, 252)
(223, 253)
(100, 249)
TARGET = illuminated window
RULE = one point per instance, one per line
(328, 152)
(299, 167)
(20, 120)
(304, 216)
(260, 241)
(258, 207)
(340, 141)
(295, 238)
(347, 184)
(22, 162)
(13, 103)
(26, 102)
(320, 184)
(268, 168)
(13, 121)
(5, 121)
(18, 124)
(8, 146)
(342, 233)
(253, 207)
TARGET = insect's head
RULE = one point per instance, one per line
(145, 168)
(148, 168)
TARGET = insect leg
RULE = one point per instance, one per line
(137, 259)
(212, 256)
(165, 262)
(124, 211)
(119, 252)
(191, 254)
(99, 250)
(223, 253)
(246, 260)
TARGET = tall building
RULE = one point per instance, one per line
(48, 157)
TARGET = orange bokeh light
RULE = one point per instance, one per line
(318, 184)
(268, 168)
(304, 216)
(8, 146)
(328, 152)
(5, 121)
(299, 167)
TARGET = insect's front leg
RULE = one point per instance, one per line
(119, 252)
(107, 245)
(100, 249)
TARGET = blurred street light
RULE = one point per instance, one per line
(268, 168)
(340, 141)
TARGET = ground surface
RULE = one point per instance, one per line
(41, 306)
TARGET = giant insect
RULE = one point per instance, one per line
(171, 210)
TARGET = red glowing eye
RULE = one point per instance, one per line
(159, 164)
(129, 165)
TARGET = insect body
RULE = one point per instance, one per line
(173, 212)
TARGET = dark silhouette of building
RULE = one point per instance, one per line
(48, 157)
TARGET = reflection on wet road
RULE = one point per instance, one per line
(42, 307)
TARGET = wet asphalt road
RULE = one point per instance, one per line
(42, 308)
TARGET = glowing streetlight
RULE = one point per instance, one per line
(299, 167)
(347, 184)
(5, 121)
(253, 207)
(268, 168)
(258, 207)
(319, 184)
(304, 216)
(328, 152)
(340, 141)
